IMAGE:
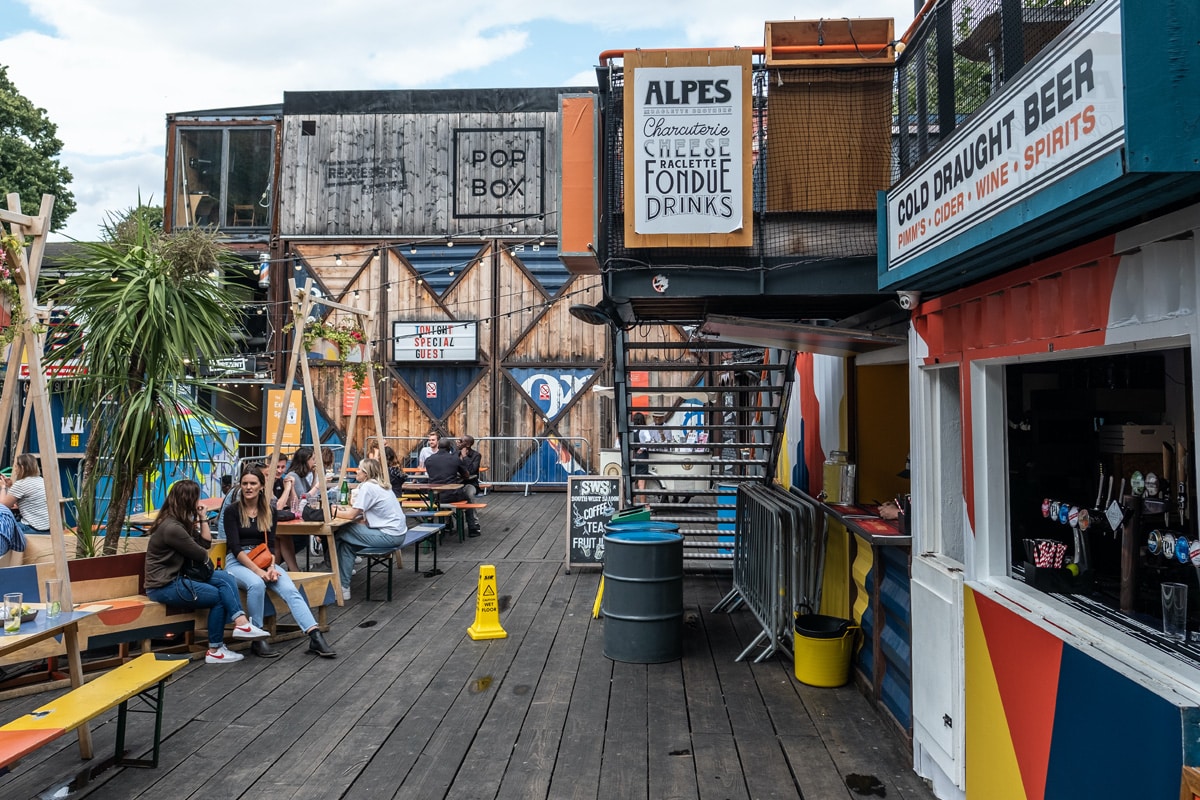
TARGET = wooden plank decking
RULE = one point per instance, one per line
(413, 708)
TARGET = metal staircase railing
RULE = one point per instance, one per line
(722, 428)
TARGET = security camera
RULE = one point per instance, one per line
(909, 300)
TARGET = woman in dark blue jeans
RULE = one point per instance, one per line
(180, 533)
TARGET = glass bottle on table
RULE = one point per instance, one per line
(344, 493)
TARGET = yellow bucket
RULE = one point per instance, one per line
(823, 647)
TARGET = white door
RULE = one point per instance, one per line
(940, 529)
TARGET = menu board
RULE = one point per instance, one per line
(591, 502)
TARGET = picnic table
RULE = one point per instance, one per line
(67, 626)
(432, 491)
(142, 520)
(326, 530)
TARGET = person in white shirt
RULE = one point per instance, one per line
(431, 446)
(27, 492)
(379, 519)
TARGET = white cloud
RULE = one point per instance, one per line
(109, 71)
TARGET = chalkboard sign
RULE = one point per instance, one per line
(591, 502)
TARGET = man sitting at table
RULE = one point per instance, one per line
(445, 467)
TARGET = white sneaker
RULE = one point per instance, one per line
(346, 593)
(249, 631)
(222, 655)
(358, 559)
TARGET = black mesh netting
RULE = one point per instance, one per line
(815, 174)
(961, 55)
(826, 139)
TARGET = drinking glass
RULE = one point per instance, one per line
(12, 612)
(53, 598)
(1175, 606)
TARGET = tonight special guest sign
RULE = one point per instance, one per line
(686, 145)
(434, 341)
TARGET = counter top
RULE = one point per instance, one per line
(863, 521)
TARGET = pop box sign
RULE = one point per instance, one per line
(422, 342)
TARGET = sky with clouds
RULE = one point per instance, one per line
(109, 71)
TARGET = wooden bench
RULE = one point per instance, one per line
(386, 556)
(460, 513)
(145, 677)
(126, 618)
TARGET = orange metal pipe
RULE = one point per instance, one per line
(829, 48)
(925, 9)
(611, 54)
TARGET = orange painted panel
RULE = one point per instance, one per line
(15, 745)
(123, 612)
(577, 201)
(1064, 300)
(1025, 660)
(1018, 322)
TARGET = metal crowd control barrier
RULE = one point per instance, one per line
(526, 461)
(778, 553)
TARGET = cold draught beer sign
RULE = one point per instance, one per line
(687, 125)
(1064, 112)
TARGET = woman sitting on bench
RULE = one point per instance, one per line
(249, 522)
(180, 534)
(381, 524)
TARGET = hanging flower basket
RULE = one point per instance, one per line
(10, 292)
(344, 344)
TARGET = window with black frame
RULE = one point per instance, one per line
(223, 177)
(1100, 487)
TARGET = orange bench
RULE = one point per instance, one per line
(460, 509)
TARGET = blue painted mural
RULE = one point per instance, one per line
(438, 389)
(551, 389)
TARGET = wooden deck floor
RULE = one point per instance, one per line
(413, 708)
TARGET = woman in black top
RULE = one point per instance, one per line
(248, 523)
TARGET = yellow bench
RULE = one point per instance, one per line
(79, 706)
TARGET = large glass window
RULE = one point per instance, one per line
(223, 177)
(1101, 499)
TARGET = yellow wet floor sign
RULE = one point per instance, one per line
(487, 607)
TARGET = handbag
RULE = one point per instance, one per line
(261, 556)
(201, 571)
(313, 513)
(284, 515)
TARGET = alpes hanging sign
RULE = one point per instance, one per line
(687, 140)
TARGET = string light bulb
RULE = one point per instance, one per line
(296, 265)
(412, 249)
(450, 244)
(113, 277)
(62, 280)
(337, 259)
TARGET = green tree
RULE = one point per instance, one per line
(29, 150)
(143, 307)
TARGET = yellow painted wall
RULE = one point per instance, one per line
(881, 431)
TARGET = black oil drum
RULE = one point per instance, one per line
(643, 592)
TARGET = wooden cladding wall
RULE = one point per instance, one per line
(535, 363)
(426, 174)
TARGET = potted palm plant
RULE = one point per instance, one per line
(145, 307)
